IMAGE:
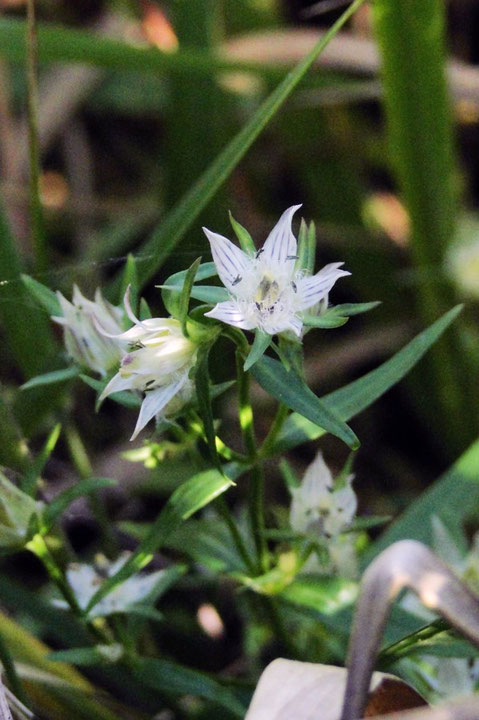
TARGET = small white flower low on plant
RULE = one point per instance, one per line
(325, 508)
(320, 508)
(158, 364)
(268, 291)
(84, 342)
(85, 580)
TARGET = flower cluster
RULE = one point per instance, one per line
(268, 291)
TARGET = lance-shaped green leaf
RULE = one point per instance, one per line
(291, 390)
(306, 247)
(244, 238)
(17, 513)
(43, 295)
(170, 231)
(261, 343)
(360, 394)
(184, 299)
(190, 497)
(171, 678)
(326, 321)
(173, 286)
(349, 309)
(128, 399)
(51, 378)
(34, 472)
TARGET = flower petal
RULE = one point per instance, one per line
(313, 289)
(116, 384)
(281, 245)
(155, 401)
(231, 262)
(230, 313)
(296, 325)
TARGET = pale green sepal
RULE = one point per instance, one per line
(306, 247)
(327, 321)
(261, 343)
(244, 238)
(184, 299)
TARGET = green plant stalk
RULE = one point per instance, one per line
(410, 35)
(38, 547)
(83, 467)
(11, 673)
(36, 214)
(256, 482)
(274, 431)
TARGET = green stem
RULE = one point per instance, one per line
(256, 483)
(232, 526)
(37, 226)
(84, 469)
(14, 681)
(38, 547)
(276, 426)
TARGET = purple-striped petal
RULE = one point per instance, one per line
(281, 245)
(232, 264)
(230, 313)
(313, 289)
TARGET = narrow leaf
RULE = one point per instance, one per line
(171, 678)
(173, 285)
(43, 294)
(130, 280)
(128, 399)
(65, 498)
(350, 400)
(194, 494)
(327, 321)
(206, 293)
(202, 385)
(29, 482)
(170, 231)
(349, 309)
(56, 376)
(291, 390)
(184, 299)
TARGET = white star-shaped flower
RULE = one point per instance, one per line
(158, 364)
(267, 290)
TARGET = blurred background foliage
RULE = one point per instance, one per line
(136, 98)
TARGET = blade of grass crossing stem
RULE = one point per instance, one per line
(170, 231)
(410, 35)
(194, 494)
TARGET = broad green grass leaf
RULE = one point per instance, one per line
(59, 504)
(453, 498)
(170, 231)
(171, 678)
(194, 494)
(411, 39)
(46, 297)
(56, 376)
(291, 390)
(350, 400)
